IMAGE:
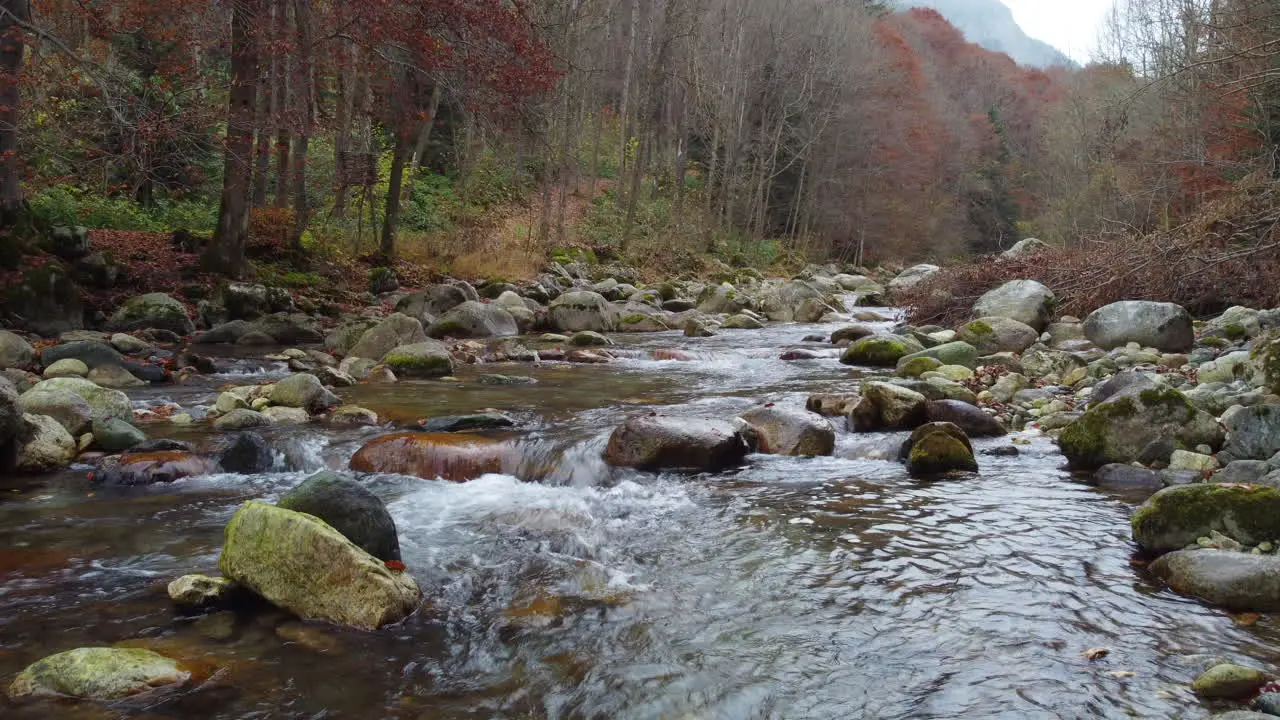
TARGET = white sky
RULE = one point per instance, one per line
(1069, 25)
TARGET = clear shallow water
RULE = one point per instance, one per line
(792, 588)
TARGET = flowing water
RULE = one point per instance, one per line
(791, 588)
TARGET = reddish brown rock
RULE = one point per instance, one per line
(153, 467)
(451, 456)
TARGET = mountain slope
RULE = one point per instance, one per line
(990, 23)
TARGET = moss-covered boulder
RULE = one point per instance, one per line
(917, 366)
(105, 402)
(450, 456)
(936, 448)
(1265, 360)
(299, 563)
(70, 410)
(880, 350)
(427, 359)
(582, 310)
(1236, 581)
(1229, 682)
(350, 508)
(97, 674)
(789, 431)
(200, 591)
(303, 390)
(676, 443)
(886, 406)
(153, 310)
(1135, 422)
(997, 334)
(1177, 516)
(394, 331)
(951, 353)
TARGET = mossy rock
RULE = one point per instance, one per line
(97, 674)
(879, 350)
(1177, 516)
(952, 353)
(1122, 428)
(915, 367)
(420, 360)
(939, 447)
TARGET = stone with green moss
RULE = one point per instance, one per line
(915, 367)
(1121, 428)
(588, 338)
(950, 353)
(879, 350)
(939, 447)
(1229, 682)
(153, 310)
(1177, 516)
(299, 563)
(997, 334)
(420, 360)
(742, 322)
(97, 674)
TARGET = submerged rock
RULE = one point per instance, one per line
(785, 431)
(350, 508)
(676, 443)
(98, 674)
(1236, 581)
(450, 456)
(152, 467)
(200, 591)
(458, 423)
(1177, 516)
(247, 454)
(297, 562)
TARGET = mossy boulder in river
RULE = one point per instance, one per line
(998, 334)
(474, 319)
(1233, 580)
(1127, 425)
(675, 443)
(97, 674)
(1177, 516)
(450, 456)
(885, 406)
(153, 310)
(106, 403)
(582, 310)
(880, 350)
(350, 508)
(951, 353)
(299, 563)
(427, 359)
(787, 431)
(303, 390)
(938, 447)
(1229, 682)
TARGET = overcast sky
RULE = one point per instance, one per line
(1069, 25)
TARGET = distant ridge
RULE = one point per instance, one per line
(990, 23)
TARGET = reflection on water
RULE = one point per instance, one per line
(792, 588)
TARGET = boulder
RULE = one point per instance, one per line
(474, 320)
(153, 310)
(247, 454)
(786, 431)
(831, 405)
(12, 426)
(911, 277)
(90, 352)
(146, 468)
(885, 406)
(697, 328)
(47, 299)
(969, 418)
(48, 445)
(1177, 516)
(459, 423)
(280, 415)
(299, 563)
(851, 333)
(582, 310)
(70, 410)
(348, 507)
(880, 350)
(425, 359)
(15, 352)
(353, 415)
(245, 301)
(1229, 682)
(106, 403)
(1235, 581)
(241, 419)
(97, 674)
(114, 376)
(303, 390)
(116, 435)
(950, 353)
(1025, 301)
(1121, 476)
(676, 443)
(1025, 248)
(1133, 424)
(1040, 362)
(723, 298)
(128, 344)
(343, 338)
(588, 338)
(1253, 433)
(66, 367)
(936, 448)
(1163, 326)
(457, 457)
(396, 330)
(741, 322)
(200, 591)
(992, 335)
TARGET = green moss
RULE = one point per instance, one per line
(1086, 442)
(1175, 517)
(877, 351)
(1214, 342)
(915, 367)
(1234, 331)
(418, 365)
(98, 673)
(634, 319)
(978, 327)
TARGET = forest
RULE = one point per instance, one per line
(658, 130)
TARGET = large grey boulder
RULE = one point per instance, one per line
(348, 507)
(886, 406)
(396, 330)
(153, 310)
(1025, 248)
(1163, 326)
(14, 351)
(788, 431)
(582, 310)
(1253, 433)
(1026, 301)
(106, 403)
(911, 277)
(48, 445)
(998, 334)
(722, 298)
(434, 301)
(12, 425)
(675, 443)
(303, 390)
(474, 320)
(1233, 580)
(426, 359)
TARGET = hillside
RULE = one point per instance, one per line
(990, 23)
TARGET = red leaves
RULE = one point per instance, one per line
(394, 565)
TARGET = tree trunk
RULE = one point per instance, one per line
(11, 55)
(392, 217)
(305, 90)
(285, 105)
(424, 135)
(348, 90)
(266, 118)
(226, 252)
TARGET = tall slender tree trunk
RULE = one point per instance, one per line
(266, 118)
(226, 253)
(305, 88)
(392, 216)
(11, 55)
(424, 134)
(285, 100)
